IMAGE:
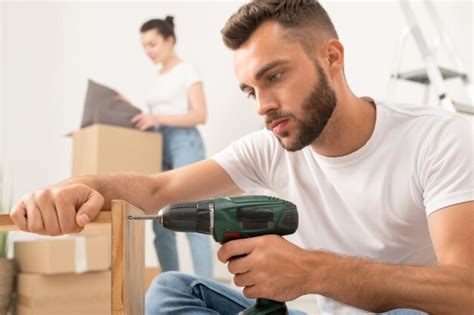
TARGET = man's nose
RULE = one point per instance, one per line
(266, 103)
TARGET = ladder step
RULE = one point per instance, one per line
(420, 76)
(464, 108)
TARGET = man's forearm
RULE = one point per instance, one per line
(140, 190)
(380, 287)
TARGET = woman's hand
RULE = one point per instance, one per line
(144, 121)
(120, 97)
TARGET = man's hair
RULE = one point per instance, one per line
(164, 27)
(305, 21)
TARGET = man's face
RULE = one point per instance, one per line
(291, 89)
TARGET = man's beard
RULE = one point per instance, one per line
(317, 107)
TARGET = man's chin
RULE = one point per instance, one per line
(288, 144)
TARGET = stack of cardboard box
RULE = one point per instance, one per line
(104, 149)
(66, 275)
(72, 275)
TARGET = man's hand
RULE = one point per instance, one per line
(273, 268)
(144, 121)
(57, 210)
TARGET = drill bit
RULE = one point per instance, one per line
(158, 217)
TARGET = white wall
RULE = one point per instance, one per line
(49, 49)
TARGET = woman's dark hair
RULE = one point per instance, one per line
(164, 27)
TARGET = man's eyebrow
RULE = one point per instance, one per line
(264, 70)
(268, 67)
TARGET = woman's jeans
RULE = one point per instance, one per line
(180, 293)
(182, 146)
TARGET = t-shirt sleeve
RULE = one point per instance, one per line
(247, 161)
(192, 76)
(446, 164)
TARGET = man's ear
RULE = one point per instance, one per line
(333, 53)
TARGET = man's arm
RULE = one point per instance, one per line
(60, 209)
(276, 269)
(447, 288)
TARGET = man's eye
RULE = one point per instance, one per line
(275, 77)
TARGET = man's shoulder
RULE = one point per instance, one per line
(417, 111)
(428, 117)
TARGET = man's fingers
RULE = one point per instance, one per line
(90, 208)
(34, 218)
(244, 279)
(48, 212)
(235, 248)
(52, 211)
(239, 265)
(66, 213)
(250, 292)
(18, 216)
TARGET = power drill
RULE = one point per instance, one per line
(229, 218)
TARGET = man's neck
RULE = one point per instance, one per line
(349, 128)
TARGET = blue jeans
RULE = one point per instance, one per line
(182, 146)
(180, 293)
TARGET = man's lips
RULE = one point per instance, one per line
(277, 125)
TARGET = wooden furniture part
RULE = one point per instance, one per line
(128, 260)
(128, 256)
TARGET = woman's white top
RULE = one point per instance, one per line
(168, 94)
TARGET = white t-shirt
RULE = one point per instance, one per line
(168, 94)
(374, 202)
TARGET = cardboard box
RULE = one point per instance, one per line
(104, 149)
(87, 293)
(73, 254)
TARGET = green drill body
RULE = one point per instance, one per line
(229, 218)
(250, 216)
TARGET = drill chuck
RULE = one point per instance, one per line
(188, 217)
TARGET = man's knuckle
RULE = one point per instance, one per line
(59, 194)
(43, 195)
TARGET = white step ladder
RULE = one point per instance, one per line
(432, 76)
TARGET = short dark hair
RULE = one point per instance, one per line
(299, 17)
(164, 27)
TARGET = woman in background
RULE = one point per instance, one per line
(176, 106)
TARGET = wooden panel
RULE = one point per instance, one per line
(6, 224)
(128, 256)
(128, 259)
